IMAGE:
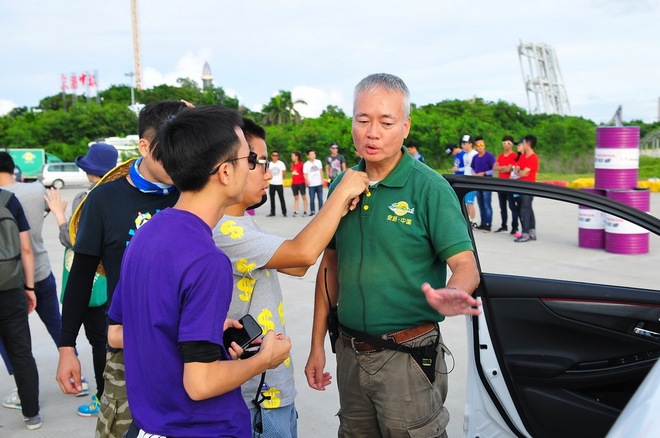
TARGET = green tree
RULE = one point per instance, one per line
(281, 109)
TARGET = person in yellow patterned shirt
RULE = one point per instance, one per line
(256, 256)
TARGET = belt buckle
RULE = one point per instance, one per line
(355, 350)
(353, 346)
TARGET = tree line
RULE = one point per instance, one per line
(64, 127)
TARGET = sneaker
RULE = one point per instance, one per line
(501, 229)
(295, 214)
(305, 214)
(33, 423)
(532, 234)
(84, 392)
(311, 214)
(517, 235)
(12, 401)
(473, 225)
(93, 408)
(523, 238)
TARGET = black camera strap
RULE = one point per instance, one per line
(333, 318)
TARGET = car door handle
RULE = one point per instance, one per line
(639, 330)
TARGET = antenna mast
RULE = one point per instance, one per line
(137, 66)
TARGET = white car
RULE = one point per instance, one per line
(59, 175)
(560, 352)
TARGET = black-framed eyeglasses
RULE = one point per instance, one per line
(251, 158)
(266, 164)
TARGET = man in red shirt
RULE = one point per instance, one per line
(526, 169)
(504, 165)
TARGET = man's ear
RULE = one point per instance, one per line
(143, 147)
(225, 173)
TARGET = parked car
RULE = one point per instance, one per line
(559, 352)
(59, 175)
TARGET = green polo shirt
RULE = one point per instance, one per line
(399, 237)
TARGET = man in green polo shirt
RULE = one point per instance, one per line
(382, 268)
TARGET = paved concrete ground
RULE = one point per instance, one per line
(557, 228)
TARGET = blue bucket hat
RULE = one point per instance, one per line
(100, 159)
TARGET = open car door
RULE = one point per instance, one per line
(567, 333)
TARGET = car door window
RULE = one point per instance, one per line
(628, 258)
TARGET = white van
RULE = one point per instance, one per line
(59, 175)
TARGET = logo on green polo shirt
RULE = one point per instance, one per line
(401, 208)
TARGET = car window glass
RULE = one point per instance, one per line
(568, 248)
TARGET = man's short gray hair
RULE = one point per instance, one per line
(386, 81)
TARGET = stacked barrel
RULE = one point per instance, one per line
(616, 172)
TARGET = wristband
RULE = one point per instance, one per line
(26, 287)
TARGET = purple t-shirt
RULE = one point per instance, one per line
(483, 164)
(175, 286)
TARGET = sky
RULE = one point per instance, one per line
(608, 50)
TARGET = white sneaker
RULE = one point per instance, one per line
(85, 387)
(12, 401)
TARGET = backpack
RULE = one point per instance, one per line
(11, 268)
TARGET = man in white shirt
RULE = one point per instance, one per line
(278, 169)
(466, 145)
(313, 171)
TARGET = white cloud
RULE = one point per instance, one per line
(317, 100)
(6, 106)
(189, 66)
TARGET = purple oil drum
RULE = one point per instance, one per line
(621, 236)
(616, 162)
(591, 224)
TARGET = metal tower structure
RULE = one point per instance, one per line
(543, 81)
(137, 65)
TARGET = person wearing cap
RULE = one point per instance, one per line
(470, 153)
(503, 166)
(382, 268)
(126, 198)
(526, 169)
(457, 153)
(412, 150)
(99, 160)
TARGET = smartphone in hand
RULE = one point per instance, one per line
(244, 336)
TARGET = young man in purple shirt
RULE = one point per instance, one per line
(175, 288)
(482, 165)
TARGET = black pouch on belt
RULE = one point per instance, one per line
(333, 319)
(333, 327)
(426, 356)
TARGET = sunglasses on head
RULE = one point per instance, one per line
(251, 158)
